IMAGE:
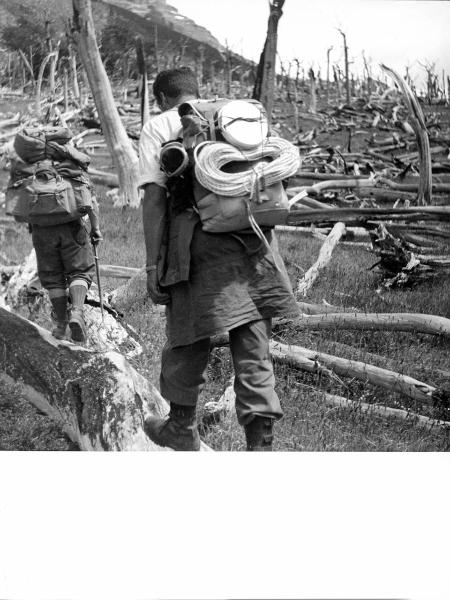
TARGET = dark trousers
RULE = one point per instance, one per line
(183, 372)
(63, 253)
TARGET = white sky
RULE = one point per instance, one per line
(395, 32)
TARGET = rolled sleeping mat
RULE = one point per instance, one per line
(173, 158)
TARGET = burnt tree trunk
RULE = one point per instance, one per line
(265, 76)
(120, 146)
(142, 68)
(347, 77)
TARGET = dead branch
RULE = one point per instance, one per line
(102, 178)
(306, 282)
(408, 322)
(315, 362)
(382, 411)
(361, 215)
(217, 411)
(118, 271)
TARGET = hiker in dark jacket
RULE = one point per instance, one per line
(211, 284)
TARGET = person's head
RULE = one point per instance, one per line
(174, 86)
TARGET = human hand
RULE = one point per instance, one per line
(154, 289)
(96, 235)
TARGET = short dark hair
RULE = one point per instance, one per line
(176, 82)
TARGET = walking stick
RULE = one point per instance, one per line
(97, 272)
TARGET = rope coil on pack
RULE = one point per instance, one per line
(211, 156)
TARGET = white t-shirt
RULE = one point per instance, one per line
(158, 130)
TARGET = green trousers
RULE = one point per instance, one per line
(183, 372)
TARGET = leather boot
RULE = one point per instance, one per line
(259, 434)
(76, 322)
(59, 316)
(177, 431)
(77, 325)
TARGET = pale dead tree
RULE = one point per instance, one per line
(347, 78)
(328, 73)
(228, 70)
(265, 77)
(312, 91)
(123, 154)
(143, 87)
(47, 59)
(200, 62)
(418, 124)
(337, 80)
(156, 47)
(297, 73)
(28, 64)
(54, 60)
(212, 76)
(73, 73)
(368, 73)
(431, 79)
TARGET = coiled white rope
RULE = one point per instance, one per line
(211, 156)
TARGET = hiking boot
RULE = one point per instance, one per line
(59, 316)
(177, 431)
(77, 325)
(59, 327)
(259, 434)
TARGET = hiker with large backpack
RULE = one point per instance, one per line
(50, 190)
(212, 180)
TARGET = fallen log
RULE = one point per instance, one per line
(382, 411)
(334, 184)
(15, 120)
(99, 400)
(326, 176)
(77, 139)
(361, 215)
(213, 412)
(135, 290)
(385, 195)
(413, 187)
(428, 231)
(10, 134)
(102, 178)
(320, 362)
(322, 261)
(407, 322)
(118, 271)
(352, 232)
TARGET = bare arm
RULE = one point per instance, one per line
(154, 215)
(93, 214)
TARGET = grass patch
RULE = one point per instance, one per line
(308, 424)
